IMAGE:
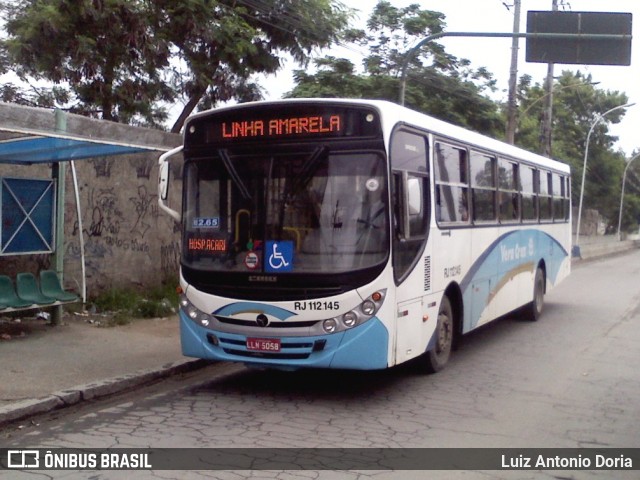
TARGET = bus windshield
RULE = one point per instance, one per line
(311, 211)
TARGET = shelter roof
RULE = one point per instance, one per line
(31, 135)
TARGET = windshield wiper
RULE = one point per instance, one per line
(233, 173)
(308, 168)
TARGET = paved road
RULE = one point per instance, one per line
(569, 380)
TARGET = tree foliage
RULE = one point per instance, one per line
(223, 47)
(103, 50)
(577, 106)
(124, 60)
(437, 83)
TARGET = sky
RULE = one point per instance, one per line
(495, 53)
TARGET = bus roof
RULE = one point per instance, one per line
(392, 114)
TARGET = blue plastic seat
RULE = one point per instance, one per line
(8, 297)
(27, 289)
(51, 287)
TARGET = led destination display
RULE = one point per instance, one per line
(284, 122)
(277, 127)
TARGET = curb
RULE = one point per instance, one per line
(72, 396)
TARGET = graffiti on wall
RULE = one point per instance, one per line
(102, 166)
(146, 209)
(127, 240)
(170, 259)
(142, 165)
(108, 220)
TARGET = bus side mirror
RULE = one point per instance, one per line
(410, 202)
(414, 196)
(163, 181)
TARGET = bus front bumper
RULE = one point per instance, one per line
(364, 347)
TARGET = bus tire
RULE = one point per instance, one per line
(436, 358)
(534, 309)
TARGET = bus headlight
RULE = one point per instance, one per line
(368, 307)
(364, 312)
(195, 314)
(349, 319)
(330, 325)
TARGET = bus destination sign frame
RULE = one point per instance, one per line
(286, 123)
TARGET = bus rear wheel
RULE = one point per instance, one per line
(534, 309)
(436, 358)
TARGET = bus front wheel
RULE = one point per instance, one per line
(436, 358)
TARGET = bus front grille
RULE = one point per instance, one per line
(273, 356)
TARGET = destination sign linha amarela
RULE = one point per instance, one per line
(276, 127)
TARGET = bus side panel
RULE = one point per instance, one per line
(443, 262)
(478, 294)
(415, 310)
(517, 254)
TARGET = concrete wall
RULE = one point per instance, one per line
(594, 247)
(128, 241)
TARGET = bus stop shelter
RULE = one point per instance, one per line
(33, 209)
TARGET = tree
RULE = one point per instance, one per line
(224, 46)
(630, 221)
(577, 103)
(438, 83)
(103, 50)
(125, 60)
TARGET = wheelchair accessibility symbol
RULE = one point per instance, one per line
(279, 256)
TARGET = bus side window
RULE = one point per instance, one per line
(452, 184)
(557, 190)
(567, 198)
(483, 187)
(544, 198)
(529, 197)
(508, 191)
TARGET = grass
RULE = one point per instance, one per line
(124, 305)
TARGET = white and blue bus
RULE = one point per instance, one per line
(357, 234)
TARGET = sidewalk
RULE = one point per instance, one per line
(44, 367)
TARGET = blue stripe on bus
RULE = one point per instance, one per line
(362, 348)
(511, 254)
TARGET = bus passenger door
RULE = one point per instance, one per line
(410, 207)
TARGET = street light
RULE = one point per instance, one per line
(576, 250)
(624, 178)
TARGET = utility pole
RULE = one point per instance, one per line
(547, 119)
(512, 108)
